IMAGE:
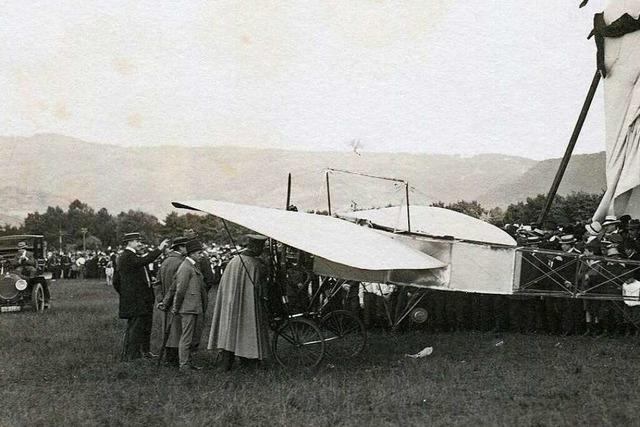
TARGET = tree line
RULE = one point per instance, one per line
(81, 225)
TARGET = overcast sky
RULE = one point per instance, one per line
(465, 77)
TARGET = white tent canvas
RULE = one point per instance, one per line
(622, 109)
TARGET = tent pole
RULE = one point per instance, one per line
(328, 193)
(572, 142)
(288, 192)
(406, 189)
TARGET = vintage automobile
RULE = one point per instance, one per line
(21, 289)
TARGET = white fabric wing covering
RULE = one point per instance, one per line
(622, 109)
(330, 238)
(436, 222)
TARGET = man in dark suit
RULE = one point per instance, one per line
(136, 296)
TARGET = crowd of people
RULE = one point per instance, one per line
(601, 260)
(101, 264)
(611, 237)
(171, 284)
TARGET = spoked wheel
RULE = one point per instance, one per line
(37, 298)
(298, 344)
(344, 333)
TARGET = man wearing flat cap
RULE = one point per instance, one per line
(167, 288)
(190, 301)
(238, 327)
(136, 295)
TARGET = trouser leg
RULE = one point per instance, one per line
(227, 359)
(132, 339)
(197, 334)
(188, 329)
(171, 356)
(146, 324)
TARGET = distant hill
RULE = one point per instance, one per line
(49, 169)
(14, 200)
(585, 172)
(10, 220)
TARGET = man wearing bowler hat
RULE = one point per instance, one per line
(190, 301)
(136, 296)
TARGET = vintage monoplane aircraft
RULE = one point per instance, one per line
(444, 251)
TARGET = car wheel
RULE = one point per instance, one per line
(37, 298)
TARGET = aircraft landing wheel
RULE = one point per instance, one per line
(298, 344)
(344, 333)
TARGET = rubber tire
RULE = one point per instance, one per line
(286, 339)
(38, 302)
(333, 323)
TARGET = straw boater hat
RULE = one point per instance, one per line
(610, 220)
(537, 232)
(594, 228)
(533, 239)
(131, 236)
(567, 239)
(22, 245)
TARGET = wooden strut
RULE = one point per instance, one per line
(328, 192)
(567, 154)
(288, 192)
(406, 189)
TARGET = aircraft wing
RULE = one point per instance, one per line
(353, 251)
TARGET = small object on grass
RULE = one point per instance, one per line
(499, 343)
(422, 353)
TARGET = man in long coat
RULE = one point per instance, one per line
(136, 296)
(166, 288)
(190, 301)
(238, 327)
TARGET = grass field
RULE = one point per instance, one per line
(61, 368)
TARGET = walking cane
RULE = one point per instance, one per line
(165, 338)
